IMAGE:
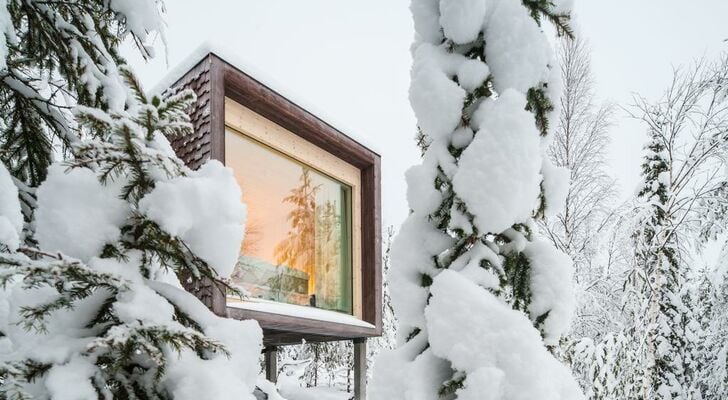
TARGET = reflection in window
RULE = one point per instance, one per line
(297, 247)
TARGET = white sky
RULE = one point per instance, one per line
(351, 60)
(635, 45)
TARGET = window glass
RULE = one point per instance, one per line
(297, 246)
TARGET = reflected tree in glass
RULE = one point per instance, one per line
(297, 249)
(298, 241)
(328, 262)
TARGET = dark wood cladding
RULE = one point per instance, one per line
(213, 79)
(196, 149)
(371, 234)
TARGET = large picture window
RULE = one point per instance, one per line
(310, 263)
(298, 246)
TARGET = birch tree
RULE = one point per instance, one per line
(590, 218)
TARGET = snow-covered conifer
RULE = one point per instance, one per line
(97, 309)
(712, 314)
(714, 378)
(607, 367)
(91, 304)
(704, 308)
(478, 295)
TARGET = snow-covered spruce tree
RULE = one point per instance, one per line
(711, 313)
(53, 55)
(705, 307)
(682, 205)
(97, 310)
(479, 296)
(713, 381)
(607, 366)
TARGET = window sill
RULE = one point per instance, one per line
(296, 311)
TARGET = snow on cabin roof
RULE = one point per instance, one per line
(233, 58)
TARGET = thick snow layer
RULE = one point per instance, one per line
(190, 378)
(289, 387)
(294, 310)
(436, 99)
(461, 137)
(500, 350)
(220, 377)
(485, 380)
(552, 291)
(462, 20)
(469, 266)
(11, 217)
(76, 214)
(412, 251)
(472, 74)
(268, 389)
(72, 381)
(204, 210)
(144, 305)
(230, 55)
(426, 15)
(438, 155)
(406, 374)
(556, 182)
(141, 17)
(499, 175)
(422, 198)
(517, 51)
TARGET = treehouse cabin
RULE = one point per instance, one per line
(310, 264)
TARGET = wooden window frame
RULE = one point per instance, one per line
(242, 121)
(229, 82)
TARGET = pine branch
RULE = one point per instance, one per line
(544, 8)
(72, 280)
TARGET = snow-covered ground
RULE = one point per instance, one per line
(295, 392)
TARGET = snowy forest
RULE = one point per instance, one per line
(519, 270)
